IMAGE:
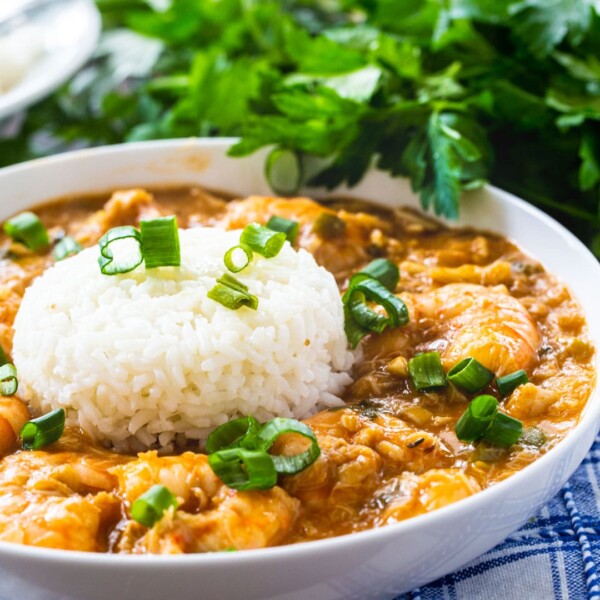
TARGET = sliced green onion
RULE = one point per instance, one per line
(265, 241)
(3, 356)
(508, 383)
(150, 507)
(109, 265)
(232, 293)
(470, 376)
(290, 228)
(376, 283)
(8, 375)
(359, 319)
(8, 380)
(234, 265)
(243, 469)
(27, 229)
(363, 316)
(426, 371)
(504, 431)
(286, 464)
(160, 242)
(232, 282)
(376, 292)
(354, 332)
(283, 171)
(328, 226)
(43, 431)
(384, 271)
(477, 418)
(231, 434)
(66, 247)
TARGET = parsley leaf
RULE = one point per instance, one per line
(543, 24)
(450, 93)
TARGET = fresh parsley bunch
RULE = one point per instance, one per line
(452, 93)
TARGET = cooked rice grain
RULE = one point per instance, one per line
(146, 359)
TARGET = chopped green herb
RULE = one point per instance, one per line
(150, 507)
(232, 293)
(290, 228)
(450, 94)
(66, 247)
(160, 242)
(27, 229)
(264, 241)
(470, 376)
(43, 431)
(426, 371)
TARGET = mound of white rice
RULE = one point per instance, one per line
(146, 359)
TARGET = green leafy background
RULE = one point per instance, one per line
(452, 93)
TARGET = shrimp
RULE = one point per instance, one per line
(464, 320)
(61, 499)
(239, 521)
(13, 415)
(68, 523)
(188, 476)
(210, 517)
(125, 207)
(340, 255)
(413, 495)
(355, 452)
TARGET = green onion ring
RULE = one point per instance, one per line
(365, 317)
(283, 171)
(264, 241)
(232, 293)
(160, 242)
(504, 431)
(233, 433)
(284, 464)
(354, 332)
(477, 418)
(229, 260)
(470, 376)
(150, 507)
(66, 247)
(509, 383)
(243, 469)
(378, 293)
(8, 380)
(109, 265)
(27, 229)
(43, 431)
(426, 371)
(287, 226)
(384, 271)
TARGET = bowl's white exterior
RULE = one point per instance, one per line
(375, 564)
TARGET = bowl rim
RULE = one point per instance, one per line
(590, 416)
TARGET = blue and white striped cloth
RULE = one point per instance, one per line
(556, 556)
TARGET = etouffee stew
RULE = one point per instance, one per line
(391, 453)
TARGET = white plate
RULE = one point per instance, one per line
(69, 33)
(376, 564)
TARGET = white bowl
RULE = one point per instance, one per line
(374, 564)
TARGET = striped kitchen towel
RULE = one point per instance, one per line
(556, 556)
